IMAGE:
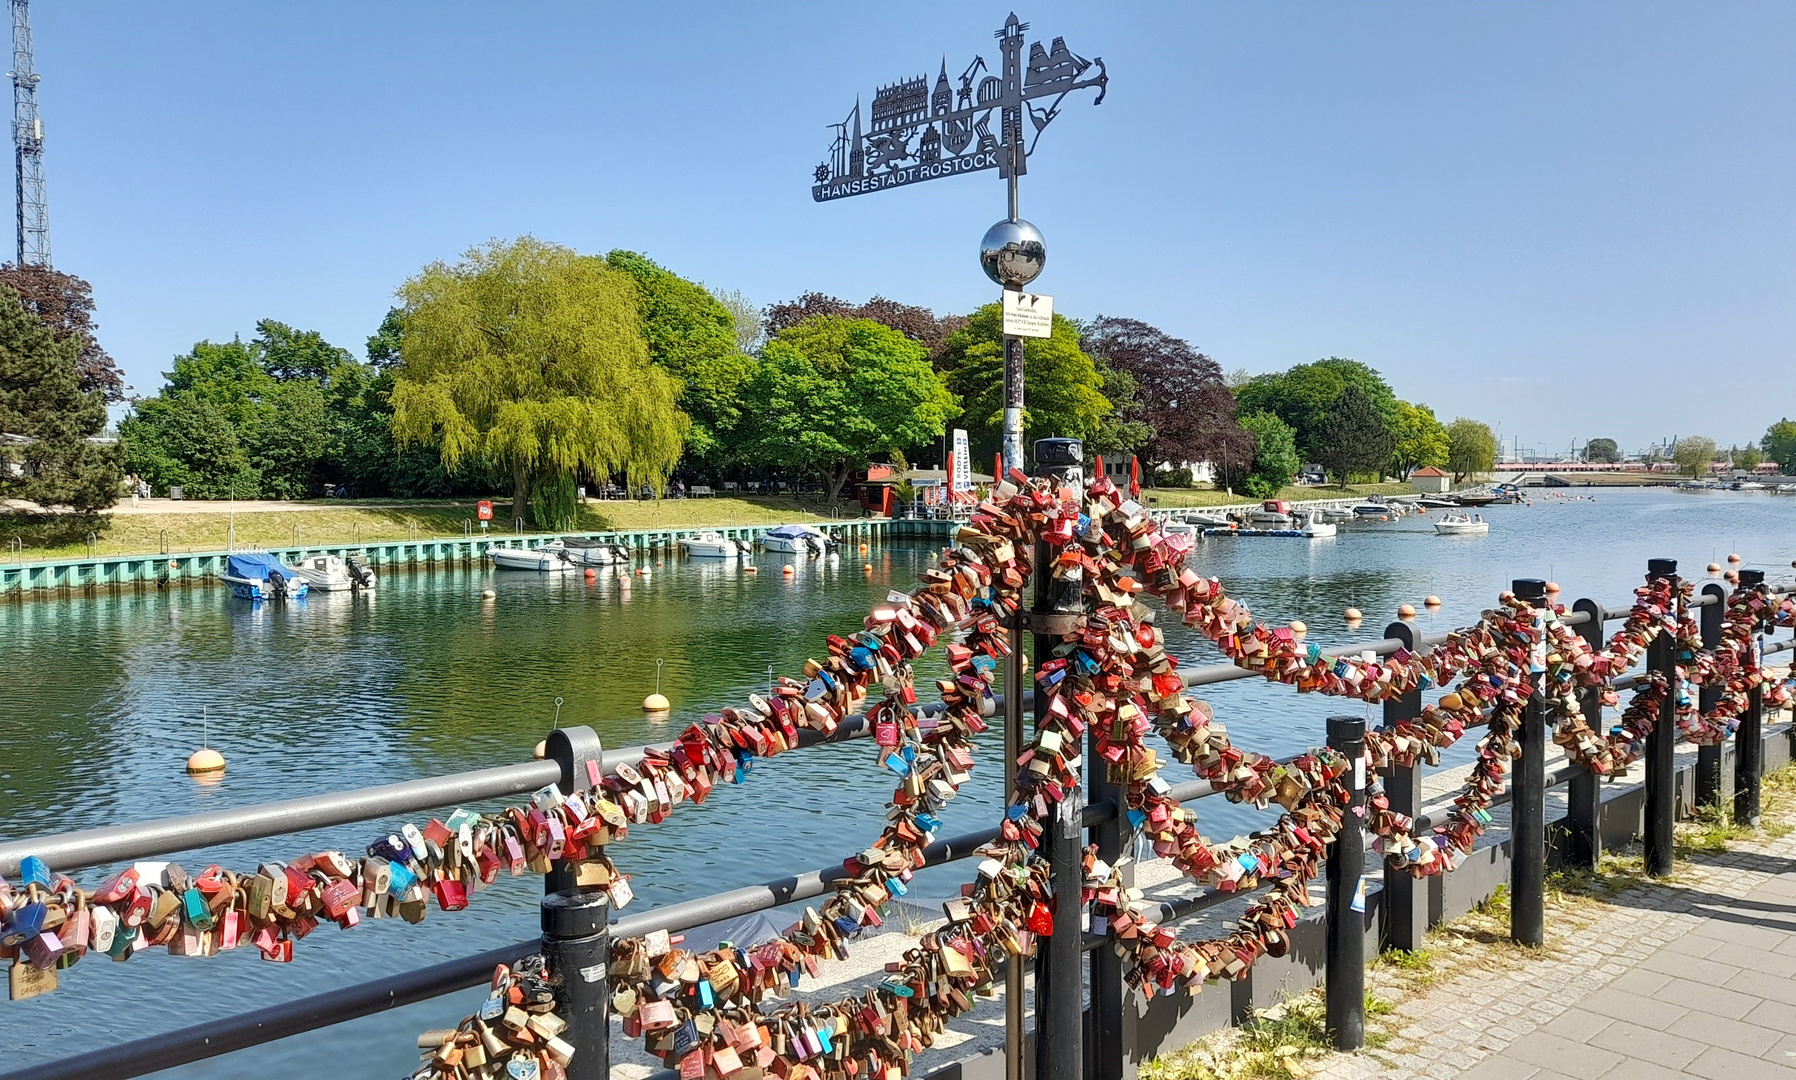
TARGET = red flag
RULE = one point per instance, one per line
(950, 475)
(1134, 476)
(998, 467)
(1097, 466)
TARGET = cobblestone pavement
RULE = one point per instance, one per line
(1695, 977)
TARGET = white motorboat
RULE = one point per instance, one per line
(1462, 525)
(258, 576)
(1273, 512)
(1372, 510)
(593, 552)
(798, 540)
(1179, 528)
(1311, 524)
(710, 545)
(1432, 502)
(331, 573)
(1210, 521)
(551, 558)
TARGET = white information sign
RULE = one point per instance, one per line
(1028, 314)
(963, 462)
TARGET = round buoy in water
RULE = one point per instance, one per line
(1406, 611)
(1732, 577)
(655, 703)
(1431, 601)
(1299, 627)
(591, 574)
(751, 569)
(541, 751)
(868, 568)
(642, 571)
(1352, 614)
(1714, 568)
(488, 594)
(205, 760)
(787, 570)
(863, 549)
(1735, 559)
(1552, 588)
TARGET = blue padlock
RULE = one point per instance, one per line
(34, 871)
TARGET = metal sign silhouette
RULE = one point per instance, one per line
(913, 134)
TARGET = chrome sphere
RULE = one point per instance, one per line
(1013, 253)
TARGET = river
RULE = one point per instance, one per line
(102, 699)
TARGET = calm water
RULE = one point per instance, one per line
(101, 701)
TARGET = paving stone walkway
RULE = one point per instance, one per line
(1691, 978)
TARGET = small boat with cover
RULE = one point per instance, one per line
(258, 576)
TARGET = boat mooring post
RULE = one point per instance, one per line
(1749, 746)
(1528, 815)
(1344, 985)
(1404, 905)
(1712, 787)
(1661, 743)
(1584, 792)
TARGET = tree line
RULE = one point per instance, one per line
(529, 367)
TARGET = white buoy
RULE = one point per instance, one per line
(1352, 614)
(488, 594)
(205, 760)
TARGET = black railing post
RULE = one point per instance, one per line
(577, 946)
(1108, 1037)
(1710, 784)
(1404, 905)
(1528, 815)
(1584, 793)
(571, 748)
(1344, 986)
(1661, 745)
(1749, 746)
(1060, 960)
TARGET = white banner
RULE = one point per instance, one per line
(963, 462)
(1028, 314)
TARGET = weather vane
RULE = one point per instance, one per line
(913, 134)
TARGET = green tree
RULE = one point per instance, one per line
(1471, 448)
(1355, 438)
(1779, 444)
(530, 355)
(1122, 431)
(830, 394)
(49, 460)
(1421, 439)
(1063, 389)
(1693, 455)
(1275, 460)
(694, 336)
(1301, 396)
(188, 440)
(1602, 451)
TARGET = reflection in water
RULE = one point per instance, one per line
(103, 697)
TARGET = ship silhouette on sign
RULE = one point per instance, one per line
(913, 133)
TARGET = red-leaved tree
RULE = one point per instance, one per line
(65, 303)
(1180, 393)
(920, 324)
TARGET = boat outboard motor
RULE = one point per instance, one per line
(813, 545)
(620, 553)
(277, 585)
(359, 577)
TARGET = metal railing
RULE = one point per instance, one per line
(1404, 904)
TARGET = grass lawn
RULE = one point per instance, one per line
(1205, 497)
(337, 522)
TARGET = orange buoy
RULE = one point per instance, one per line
(1406, 612)
(787, 570)
(1552, 588)
(1714, 568)
(863, 549)
(1431, 601)
(1734, 558)
(868, 568)
(1299, 627)
(205, 760)
(1352, 614)
(591, 574)
(751, 569)
(1732, 577)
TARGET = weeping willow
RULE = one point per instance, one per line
(531, 355)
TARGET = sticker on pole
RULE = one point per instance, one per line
(1028, 314)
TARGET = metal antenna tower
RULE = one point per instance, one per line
(28, 139)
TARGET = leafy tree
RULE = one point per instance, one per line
(1471, 448)
(41, 400)
(1275, 460)
(1421, 439)
(830, 394)
(287, 354)
(384, 344)
(189, 440)
(1062, 387)
(1746, 457)
(749, 333)
(530, 355)
(1602, 451)
(1693, 455)
(1301, 396)
(1181, 398)
(65, 304)
(920, 324)
(695, 338)
(1355, 437)
(1779, 444)
(1121, 431)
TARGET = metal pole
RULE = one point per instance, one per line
(1404, 905)
(1059, 961)
(1345, 978)
(1013, 403)
(577, 946)
(1749, 746)
(1661, 657)
(1528, 815)
(1584, 793)
(1710, 784)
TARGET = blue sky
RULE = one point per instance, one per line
(1569, 220)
